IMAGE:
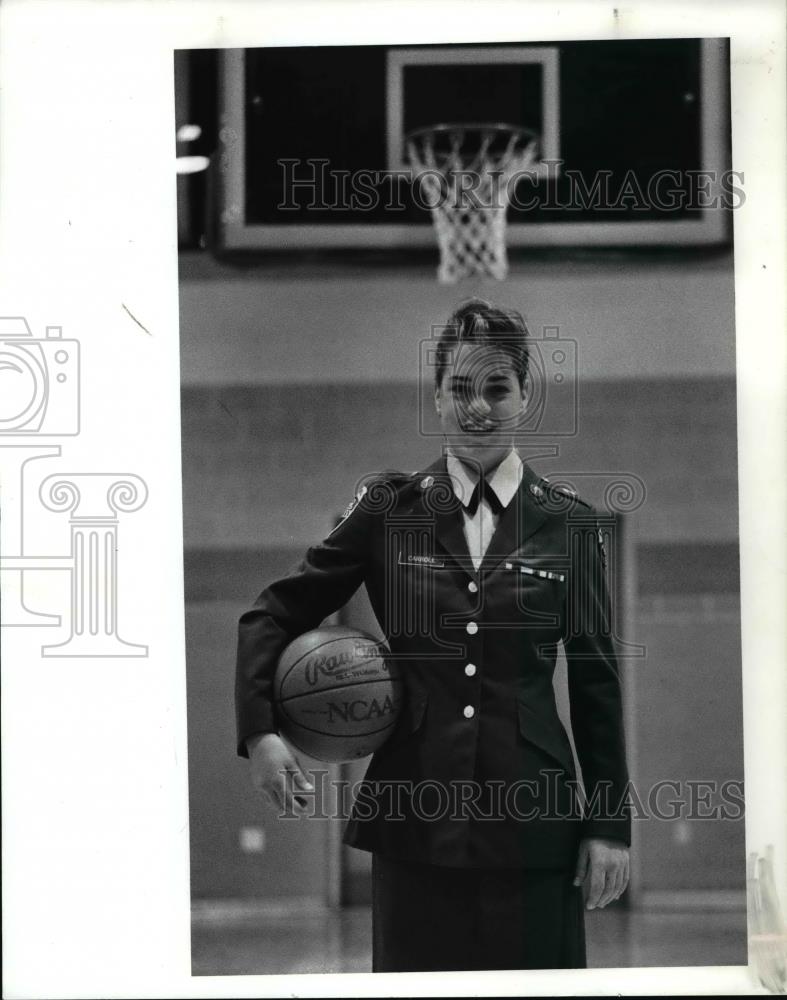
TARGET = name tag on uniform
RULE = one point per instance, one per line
(420, 560)
(545, 574)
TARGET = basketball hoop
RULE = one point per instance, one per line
(465, 171)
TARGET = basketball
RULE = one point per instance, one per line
(337, 694)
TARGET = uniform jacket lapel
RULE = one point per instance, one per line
(447, 513)
(522, 517)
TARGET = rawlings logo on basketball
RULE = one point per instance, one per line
(359, 710)
(338, 693)
(340, 665)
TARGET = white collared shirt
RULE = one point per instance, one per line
(480, 526)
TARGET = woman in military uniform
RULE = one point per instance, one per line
(477, 569)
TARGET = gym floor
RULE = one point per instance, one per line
(340, 941)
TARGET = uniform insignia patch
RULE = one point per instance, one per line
(600, 535)
(354, 502)
(351, 507)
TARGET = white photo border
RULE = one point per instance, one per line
(95, 817)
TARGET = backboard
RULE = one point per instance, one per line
(311, 141)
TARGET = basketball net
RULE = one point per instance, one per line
(465, 173)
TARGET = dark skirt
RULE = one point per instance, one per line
(430, 918)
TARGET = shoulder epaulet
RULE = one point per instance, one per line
(394, 475)
(390, 477)
(563, 491)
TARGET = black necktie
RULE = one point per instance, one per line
(483, 491)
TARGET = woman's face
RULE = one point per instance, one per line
(480, 403)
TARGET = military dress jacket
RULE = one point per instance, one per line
(478, 771)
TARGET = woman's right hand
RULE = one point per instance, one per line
(276, 772)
